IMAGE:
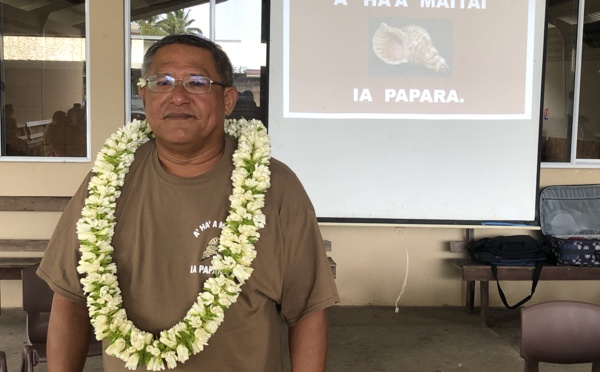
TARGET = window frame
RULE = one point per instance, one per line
(264, 70)
(86, 72)
(574, 162)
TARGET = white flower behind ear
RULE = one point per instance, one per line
(141, 82)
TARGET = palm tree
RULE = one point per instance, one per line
(177, 23)
(148, 26)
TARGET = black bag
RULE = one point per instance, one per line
(515, 250)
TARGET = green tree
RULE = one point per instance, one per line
(177, 23)
(149, 27)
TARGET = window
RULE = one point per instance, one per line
(42, 74)
(571, 125)
(234, 24)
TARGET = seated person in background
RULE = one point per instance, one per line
(74, 111)
(77, 135)
(11, 130)
(246, 107)
(55, 135)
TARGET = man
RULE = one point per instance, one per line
(170, 212)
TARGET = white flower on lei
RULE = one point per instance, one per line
(136, 348)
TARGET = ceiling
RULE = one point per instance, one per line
(563, 15)
(67, 17)
(566, 11)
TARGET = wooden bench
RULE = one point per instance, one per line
(31, 136)
(36, 128)
(477, 272)
(10, 267)
(332, 264)
(29, 204)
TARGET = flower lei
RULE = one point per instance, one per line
(95, 229)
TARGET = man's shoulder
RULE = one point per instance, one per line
(145, 148)
(286, 185)
(279, 167)
(282, 173)
(142, 153)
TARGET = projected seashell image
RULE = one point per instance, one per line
(409, 44)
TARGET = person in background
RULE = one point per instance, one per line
(77, 134)
(73, 113)
(173, 221)
(12, 131)
(55, 135)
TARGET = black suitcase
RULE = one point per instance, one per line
(570, 222)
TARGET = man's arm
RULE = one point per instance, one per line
(69, 333)
(308, 343)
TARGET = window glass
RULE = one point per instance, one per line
(42, 73)
(588, 134)
(570, 101)
(238, 31)
(237, 26)
(561, 42)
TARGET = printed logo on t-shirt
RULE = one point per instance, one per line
(201, 269)
(211, 249)
(208, 225)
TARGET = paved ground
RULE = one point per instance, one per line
(370, 339)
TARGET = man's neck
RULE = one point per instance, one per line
(181, 164)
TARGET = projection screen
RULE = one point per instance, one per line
(409, 110)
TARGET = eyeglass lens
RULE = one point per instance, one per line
(166, 83)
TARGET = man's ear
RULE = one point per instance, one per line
(142, 93)
(231, 96)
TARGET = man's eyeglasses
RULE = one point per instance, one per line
(192, 84)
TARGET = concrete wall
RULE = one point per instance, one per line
(372, 260)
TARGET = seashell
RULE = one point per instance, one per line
(212, 249)
(409, 44)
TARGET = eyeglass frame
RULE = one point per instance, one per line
(183, 83)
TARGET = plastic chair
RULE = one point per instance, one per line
(37, 303)
(3, 365)
(560, 332)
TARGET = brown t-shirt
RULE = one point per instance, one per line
(166, 229)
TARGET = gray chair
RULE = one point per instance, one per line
(560, 332)
(3, 365)
(37, 303)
